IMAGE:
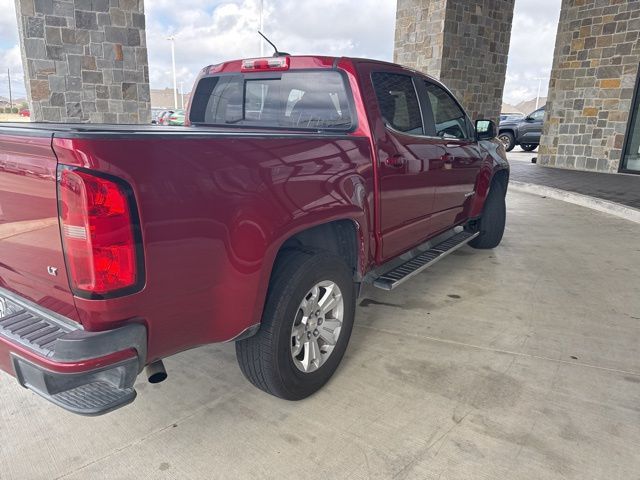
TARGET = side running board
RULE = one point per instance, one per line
(403, 272)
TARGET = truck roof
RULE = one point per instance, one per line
(308, 61)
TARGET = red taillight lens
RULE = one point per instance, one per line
(261, 64)
(97, 233)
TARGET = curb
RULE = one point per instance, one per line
(605, 206)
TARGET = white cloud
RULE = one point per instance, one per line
(332, 27)
(533, 36)
(8, 23)
(10, 60)
(10, 52)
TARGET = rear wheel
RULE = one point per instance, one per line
(508, 140)
(305, 328)
(529, 147)
(491, 223)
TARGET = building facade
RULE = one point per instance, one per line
(592, 119)
(456, 41)
(591, 91)
(85, 60)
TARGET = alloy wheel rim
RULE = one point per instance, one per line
(317, 326)
(505, 140)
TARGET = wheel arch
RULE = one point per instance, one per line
(500, 176)
(499, 173)
(342, 237)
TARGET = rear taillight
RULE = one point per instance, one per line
(262, 64)
(100, 234)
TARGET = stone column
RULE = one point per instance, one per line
(594, 71)
(85, 60)
(463, 43)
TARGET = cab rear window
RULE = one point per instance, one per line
(316, 100)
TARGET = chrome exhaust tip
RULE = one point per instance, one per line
(156, 372)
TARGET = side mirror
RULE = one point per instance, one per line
(485, 129)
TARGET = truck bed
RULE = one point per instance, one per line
(215, 205)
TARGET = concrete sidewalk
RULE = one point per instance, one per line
(619, 188)
(521, 362)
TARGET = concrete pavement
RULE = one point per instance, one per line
(517, 363)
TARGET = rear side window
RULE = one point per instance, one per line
(292, 100)
(450, 120)
(398, 102)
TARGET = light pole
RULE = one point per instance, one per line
(10, 96)
(172, 39)
(182, 95)
(539, 86)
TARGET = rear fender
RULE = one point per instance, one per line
(359, 220)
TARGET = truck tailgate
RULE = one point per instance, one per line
(31, 258)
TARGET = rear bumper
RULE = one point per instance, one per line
(89, 373)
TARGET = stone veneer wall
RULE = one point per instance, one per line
(592, 81)
(463, 43)
(85, 60)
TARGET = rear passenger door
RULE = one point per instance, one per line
(458, 168)
(406, 161)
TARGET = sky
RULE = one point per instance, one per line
(212, 31)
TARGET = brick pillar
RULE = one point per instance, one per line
(464, 43)
(592, 81)
(85, 60)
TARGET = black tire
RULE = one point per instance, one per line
(491, 223)
(508, 140)
(529, 147)
(266, 358)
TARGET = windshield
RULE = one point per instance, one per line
(306, 100)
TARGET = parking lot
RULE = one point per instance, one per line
(522, 362)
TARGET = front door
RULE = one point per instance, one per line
(530, 130)
(461, 162)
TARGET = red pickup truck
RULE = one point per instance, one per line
(297, 180)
